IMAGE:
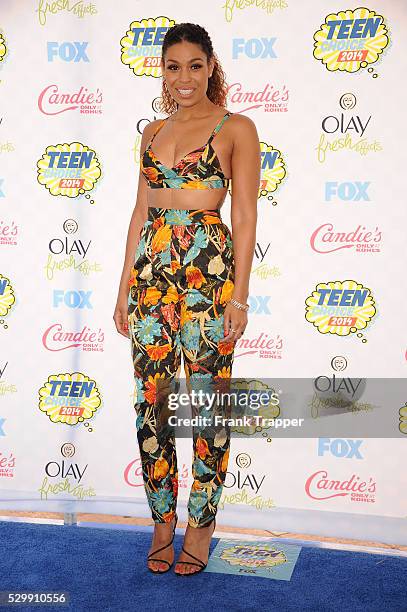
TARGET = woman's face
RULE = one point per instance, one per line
(186, 71)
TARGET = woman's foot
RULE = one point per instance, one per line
(162, 536)
(197, 541)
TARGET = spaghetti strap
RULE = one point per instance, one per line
(218, 126)
(160, 125)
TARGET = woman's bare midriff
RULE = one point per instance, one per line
(208, 199)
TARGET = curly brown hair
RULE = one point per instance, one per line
(194, 33)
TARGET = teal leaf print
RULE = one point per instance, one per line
(200, 242)
(191, 254)
(178, 217)
(165, 257)
(201, 239)
(201, 469)
(214, 329)
(195, 297)
(146, 329)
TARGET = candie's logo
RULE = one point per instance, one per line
(340, 307)
(69, 398)
(351, 40)
(3, 48)
(54, 101)
(321, 487)
(141, 45)
(326, 238)
(7, 297)
(272, 170)
(68, 169)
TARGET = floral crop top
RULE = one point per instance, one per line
(199, 169)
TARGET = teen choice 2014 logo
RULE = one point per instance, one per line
(69, 398)
(403, 419)
(351, 39)
(273, 170)
(142, 45)
(69, 169)
(7, 297)
(341, 308)
(254, 556)
(254, 397)
(3, 48)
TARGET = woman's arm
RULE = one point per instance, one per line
(138, 217)
(245, 189)
(246, 166)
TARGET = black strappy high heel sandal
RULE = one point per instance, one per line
(199, 563)
(150, 558)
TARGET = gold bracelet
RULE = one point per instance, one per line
(239, 305)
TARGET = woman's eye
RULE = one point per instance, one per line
(193, 65)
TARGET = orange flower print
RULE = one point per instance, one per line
(152, 296)
(150, 392)
(168, 312)
(168, 516)
(174, 481)
(133, 278)
(171, 295)
(186, 315)
(161, 468)
(227, 289)
(212, 219)
(202, 448)
(152, 173)
(184, 239)
(194, 185)
(192, 157)
(226, 348)
(161, 239)
(196, 486)
(158, 352)
(224, 462)
(195, 278)
(224, 372)
(179, 231)
(175, 265)
(159, 222)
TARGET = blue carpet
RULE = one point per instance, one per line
(104, 570)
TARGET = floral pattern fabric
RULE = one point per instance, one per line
(180, 283)
(199, 169)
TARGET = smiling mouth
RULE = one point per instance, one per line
(185, 92)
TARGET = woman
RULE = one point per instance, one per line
(189, 280)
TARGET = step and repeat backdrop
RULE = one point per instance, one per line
(324, 82)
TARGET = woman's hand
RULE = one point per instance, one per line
(120, 315)
(235, 322)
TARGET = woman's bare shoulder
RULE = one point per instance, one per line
(243, 129)
(242, 121)
(151, 127)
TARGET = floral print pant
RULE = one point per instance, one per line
(182, 278)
